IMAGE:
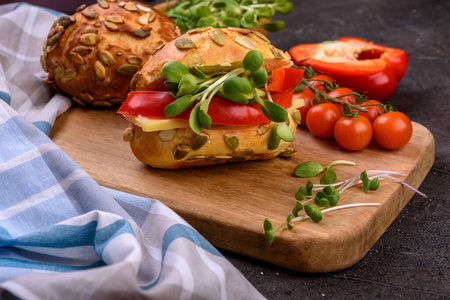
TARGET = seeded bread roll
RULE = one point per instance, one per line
(93, 54)
(182, 148)
(210, 50)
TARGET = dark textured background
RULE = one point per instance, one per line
(410, 261)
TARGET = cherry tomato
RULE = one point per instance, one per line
(392, 130)
(319, 83)
(373, 111)
(339, 92)
(353, 133)
(321, 118)
(308, 97)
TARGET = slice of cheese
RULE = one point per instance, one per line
(149, 125)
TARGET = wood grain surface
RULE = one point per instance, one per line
(228, 203)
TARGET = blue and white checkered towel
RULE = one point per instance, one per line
(62, 236)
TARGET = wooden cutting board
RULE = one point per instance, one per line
(228, 203)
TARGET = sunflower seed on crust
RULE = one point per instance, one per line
(277, 53)
(90, 13)
(110, 25)
(99, 70)
(75, 58)
(181, 151)
(127, 69)
(82, 50)
(143, 19)
(86, 97)
(106, 57)
(262, 36)
(185, 43)
(81, 7)
(199, 141)
(90, 30)
(141, 33)
(218, 36)
(245, 42)
(240, 30)
(115, 19)
(143, 8)
(288, 152)
(53, 40)
(134, 59)
(130, 6)
(69, 75)
(103, 4)
(89, 39)
(231, 140)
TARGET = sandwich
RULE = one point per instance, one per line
(205, 98)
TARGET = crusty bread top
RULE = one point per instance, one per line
(93, 54)
(211, 50)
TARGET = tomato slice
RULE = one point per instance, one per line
(285, 79)
(151, 104)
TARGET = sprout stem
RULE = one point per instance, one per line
(336, 208)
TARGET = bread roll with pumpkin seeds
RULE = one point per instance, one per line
(211, 50)
(172, 143)
(93, 54)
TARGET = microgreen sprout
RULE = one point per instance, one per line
(328, 196)
(312, 168)
(244, 85)
(189, 14)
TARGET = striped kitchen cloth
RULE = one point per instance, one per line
(62, 236)
(23, 29)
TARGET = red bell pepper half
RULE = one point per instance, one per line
(371, 69)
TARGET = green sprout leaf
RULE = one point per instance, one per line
(259, 77)
(298, 207)
(284, 132)
(288, 222)
(274, 26)
(309, 187)
(238, 89)
(190, 14)
(194, 122)
(329, 177)
(178, 106)
(283, 7)
(203, 11)
(313, 212)
(308, 169)
(174, 71)
(273, 111)
(204, 119)
(333, 199)
(374, 184)
(188, 84)
(269, 231)
(265, 12)
(274, 139)
(253, 60)
(206, 21)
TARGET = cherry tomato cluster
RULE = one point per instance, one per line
(353, 121)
